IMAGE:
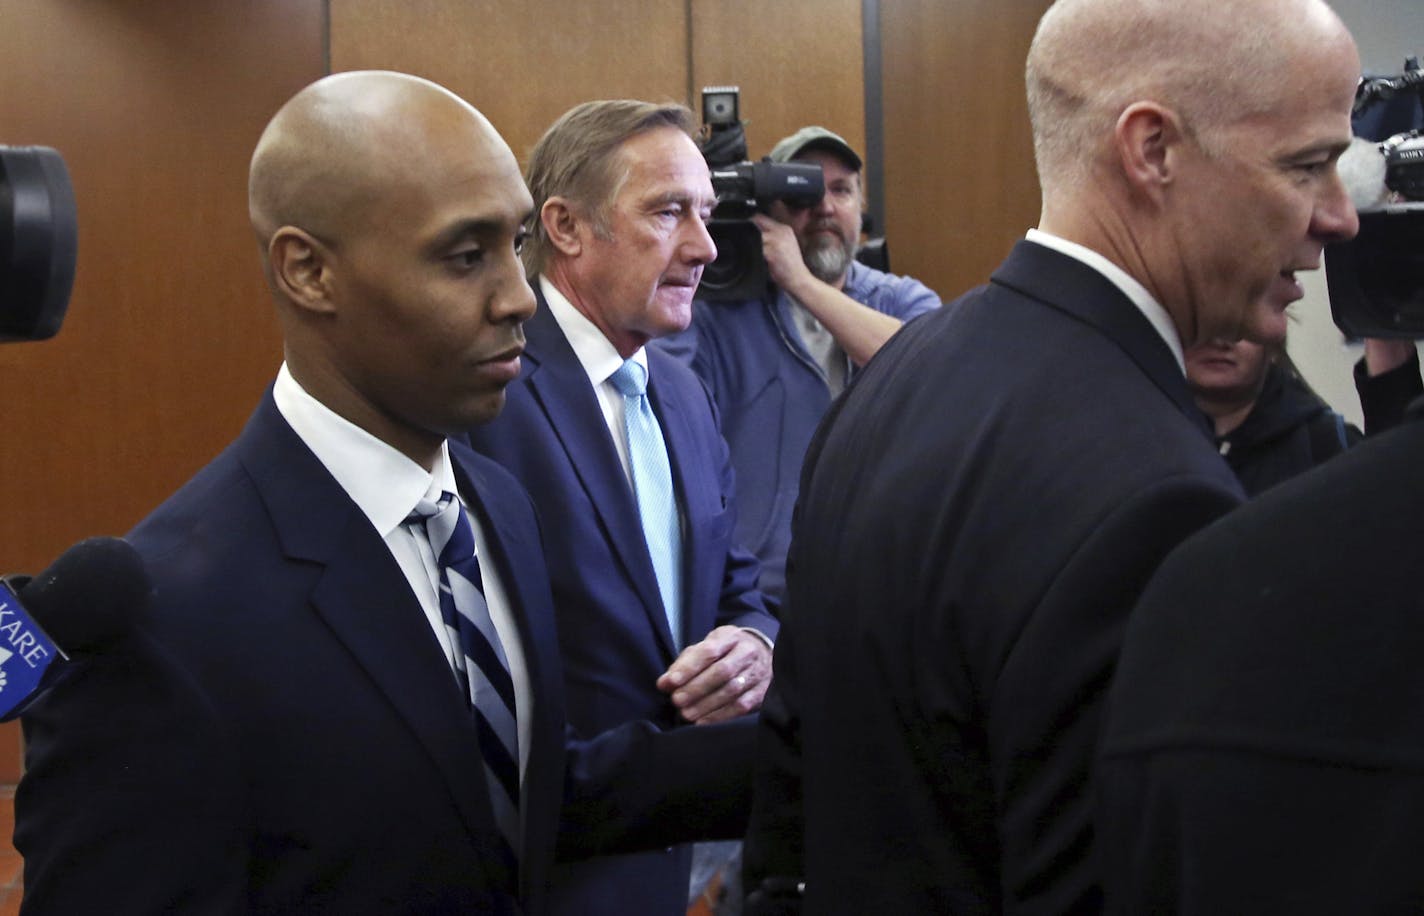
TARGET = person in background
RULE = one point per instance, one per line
(774, 363)
(1269, 424)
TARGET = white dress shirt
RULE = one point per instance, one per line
(385, 484)
(599, 360)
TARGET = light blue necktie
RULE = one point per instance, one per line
(652, 485)
(481, 666)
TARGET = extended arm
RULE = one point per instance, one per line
(635, 787)
(1387, 379)
(859, 329)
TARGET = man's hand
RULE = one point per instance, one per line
(783, 254)
(720, 678)
(857, 328)
(1383, 356)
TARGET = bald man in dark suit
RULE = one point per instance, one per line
(982, 509)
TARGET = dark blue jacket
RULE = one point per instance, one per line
(613, 630)
(281, 734)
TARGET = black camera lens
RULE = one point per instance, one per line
(739, 271)
(1376, 279)
(38, 242)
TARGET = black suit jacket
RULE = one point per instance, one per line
(1264, 743)
(978, 515)
(612, 625)
(283, 734)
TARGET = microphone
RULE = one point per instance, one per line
(84, 601)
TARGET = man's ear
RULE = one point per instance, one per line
(1147, 141)
(301, 269)
(564, 225)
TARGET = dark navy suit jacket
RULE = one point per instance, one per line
(283, 735)
(978, 515)
(612, 625)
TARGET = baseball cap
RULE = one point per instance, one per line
(809, 138)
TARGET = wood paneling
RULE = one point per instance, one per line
(170, 337)
(156, 106)
(521, 64)
(797, 62)
(959, 174)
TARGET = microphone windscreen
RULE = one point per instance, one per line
(1362, 169)
(91, 595)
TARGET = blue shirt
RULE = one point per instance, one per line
(771, 395)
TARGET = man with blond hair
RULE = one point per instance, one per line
(981, 510)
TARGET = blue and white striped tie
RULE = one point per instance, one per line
(481, 665)
(652, 486)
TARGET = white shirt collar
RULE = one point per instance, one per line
(381, 480)
(594, 351)
(1150, 308)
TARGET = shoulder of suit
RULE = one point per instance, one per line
(496, 486)
(671, 377)
(479, 467)
(665, 367)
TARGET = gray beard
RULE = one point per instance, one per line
(828, 263)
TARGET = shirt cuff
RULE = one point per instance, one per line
(759, 635)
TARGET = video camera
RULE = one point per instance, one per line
(1376, 280)
(38, 242)
(743, 188)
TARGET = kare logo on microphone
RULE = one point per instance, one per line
(25, 652)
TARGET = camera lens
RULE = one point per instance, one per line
(733, 256)
(38, 238)
(739, 271)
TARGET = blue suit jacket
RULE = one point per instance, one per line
(612, 625)
(283, 735)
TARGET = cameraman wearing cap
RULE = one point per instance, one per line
(776, 362)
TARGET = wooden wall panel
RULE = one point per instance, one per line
(959, 174)
(797, 62)
(521, 64)
(170, 337)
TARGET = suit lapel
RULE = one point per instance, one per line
(560, 386)
(1071, 286)
(383, 626)
(366, 602)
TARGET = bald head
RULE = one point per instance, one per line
(391, 215)
(345, 141)
(1210, 63)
